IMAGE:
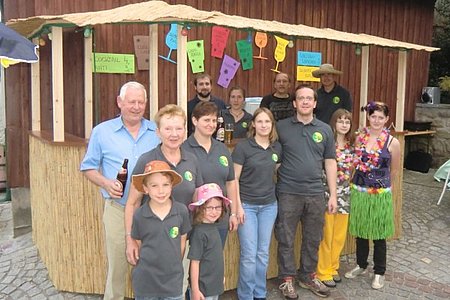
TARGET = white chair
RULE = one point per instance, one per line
(443, 173)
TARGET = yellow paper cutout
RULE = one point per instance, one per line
(280, 51)
(305, 74)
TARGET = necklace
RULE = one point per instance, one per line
(366, 161)
(238, 115)
(344, 160)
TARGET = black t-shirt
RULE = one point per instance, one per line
(281, 108)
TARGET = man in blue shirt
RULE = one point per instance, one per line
(127, 136)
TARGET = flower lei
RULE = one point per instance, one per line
(366, 161)
(344, 160)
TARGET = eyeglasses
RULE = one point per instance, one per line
(308, 99)
(344, 122)
(213, 208)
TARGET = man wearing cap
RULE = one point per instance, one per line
(331, 95)
(280, 102)
(124, 137)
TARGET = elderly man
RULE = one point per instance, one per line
(126, 136)
(331, 95)
(308, 147)
(203, 88)
(280, 102)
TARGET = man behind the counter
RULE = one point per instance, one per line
(331, 95)
(203, 87)
(280, 102)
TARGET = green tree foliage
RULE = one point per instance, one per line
(440, 60)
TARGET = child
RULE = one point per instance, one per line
(335, 227)
(160, 226)
(205, 252)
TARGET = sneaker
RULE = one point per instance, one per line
(337, 278)
(316, 286)
(287, 288)
(378, 282)
(329, 283)
(355, 272)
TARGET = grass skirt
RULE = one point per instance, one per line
(371, 215)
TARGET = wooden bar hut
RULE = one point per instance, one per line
(66, 208)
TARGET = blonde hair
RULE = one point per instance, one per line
(273, 136)
(171, 110)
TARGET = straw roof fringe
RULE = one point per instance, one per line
(161, 12)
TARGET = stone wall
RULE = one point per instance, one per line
(439, 114)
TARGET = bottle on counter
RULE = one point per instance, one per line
(122, 176)
(220, 133)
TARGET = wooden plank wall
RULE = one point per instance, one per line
(409, 21)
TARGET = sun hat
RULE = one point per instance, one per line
(206, 192)
(152, 167)
(325, 69)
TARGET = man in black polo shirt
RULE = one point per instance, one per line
(331, 95)
(203, 87)
(307, 145)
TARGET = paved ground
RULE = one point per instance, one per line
(418, 263)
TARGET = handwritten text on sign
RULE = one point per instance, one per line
(305, 58)
(113, 63)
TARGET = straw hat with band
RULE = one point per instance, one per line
(206, 192)
(325, 69)
(155, 166)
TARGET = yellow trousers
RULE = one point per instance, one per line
(334, 235)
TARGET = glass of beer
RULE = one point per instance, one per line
(229, 128)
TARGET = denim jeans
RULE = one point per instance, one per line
(254, 236)
(181, 297)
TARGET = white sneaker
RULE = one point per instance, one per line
(378, 282)
(355, 272)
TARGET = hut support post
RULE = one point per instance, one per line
(401, 84)
(153, 70)
(35, 94)
(182, 65)
(57, 84)
(88, 89)
(364, 84)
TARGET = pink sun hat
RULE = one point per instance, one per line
(206, 192)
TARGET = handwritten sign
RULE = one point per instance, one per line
(305, 74)
(261, 42)
(227, 71)
(245, 52)
(219, 37)
(141, 51)
(280, 51)
(196, 55)
(305, 58)
(113, 63)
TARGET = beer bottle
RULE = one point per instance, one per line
(122, 176)
(220, 133)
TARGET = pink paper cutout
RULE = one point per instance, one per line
(219, 37)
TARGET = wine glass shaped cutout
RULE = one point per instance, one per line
(280, 52)
(260, 42)
(171, 42)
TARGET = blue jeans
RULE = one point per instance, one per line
(254, 236)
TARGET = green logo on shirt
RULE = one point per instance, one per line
(336, 99)
(274, 157)
(317, 137)
(188, 176)
(173, 232)
(223, 160)
(244, 124)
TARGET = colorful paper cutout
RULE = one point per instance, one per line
(305, 74)
(305, 58)
(280, 52)
(260, 42)
(171, 42)
(227, 71)
(141, 50)
(196, 55)
(219, 38)
(113, 63)
(245, 52)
